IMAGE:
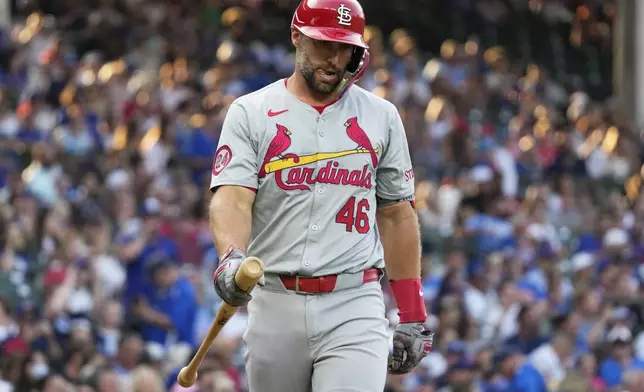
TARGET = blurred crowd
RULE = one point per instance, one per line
(528, 190)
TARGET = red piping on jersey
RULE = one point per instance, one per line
(320, 109)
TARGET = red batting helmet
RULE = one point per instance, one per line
(338, 21)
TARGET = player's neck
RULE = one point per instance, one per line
(298, 87)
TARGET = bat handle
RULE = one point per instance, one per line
(188, 375)
(248, 274)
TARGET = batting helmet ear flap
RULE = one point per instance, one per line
(356, 60)
(355, 69)
(362, 67)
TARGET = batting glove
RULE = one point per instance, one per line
(224, 278)
(412, 343)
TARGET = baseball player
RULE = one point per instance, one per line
(313, 176)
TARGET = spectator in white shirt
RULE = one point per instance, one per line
(479, 296)
(583, 266)
(552, 359)
(507, 166)
(500, 321)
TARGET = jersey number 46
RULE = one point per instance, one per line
(354, 215)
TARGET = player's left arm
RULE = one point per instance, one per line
(398, 223)
(400, 235)
(399, 232)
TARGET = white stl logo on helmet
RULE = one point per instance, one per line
(344, 15)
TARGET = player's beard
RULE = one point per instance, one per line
(309, 72)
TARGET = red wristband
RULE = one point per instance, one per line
(409, 299)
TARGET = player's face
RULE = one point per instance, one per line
(322, 63)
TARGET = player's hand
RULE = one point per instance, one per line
(412, 343)
(224, 279)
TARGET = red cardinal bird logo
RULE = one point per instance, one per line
(359, 136)
(280, 143)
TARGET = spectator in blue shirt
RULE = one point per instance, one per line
(28, 133)
(461, 376)
(490, 229)
(591, 239)
(76, 138)
(169, 306)
(528, 338)
(143, 245)
(621, 357)
(592, 329)
(522, 376)
(197, 146)
(571, 323)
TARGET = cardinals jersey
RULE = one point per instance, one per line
(318, 177)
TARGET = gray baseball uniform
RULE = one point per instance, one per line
(317, 178)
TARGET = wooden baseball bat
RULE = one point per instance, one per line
(250, 270)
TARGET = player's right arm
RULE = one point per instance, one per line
(231, 216)
(234, 182)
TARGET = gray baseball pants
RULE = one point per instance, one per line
(333, 342)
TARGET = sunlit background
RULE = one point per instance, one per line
(524, 120)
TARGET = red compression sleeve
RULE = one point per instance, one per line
(409, 299)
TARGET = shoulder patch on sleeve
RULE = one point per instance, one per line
(223, 156)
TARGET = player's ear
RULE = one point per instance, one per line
(296, 37)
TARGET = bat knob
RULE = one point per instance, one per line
(186, 378)
(249, 273)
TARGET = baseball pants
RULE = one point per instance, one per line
(334, 342)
